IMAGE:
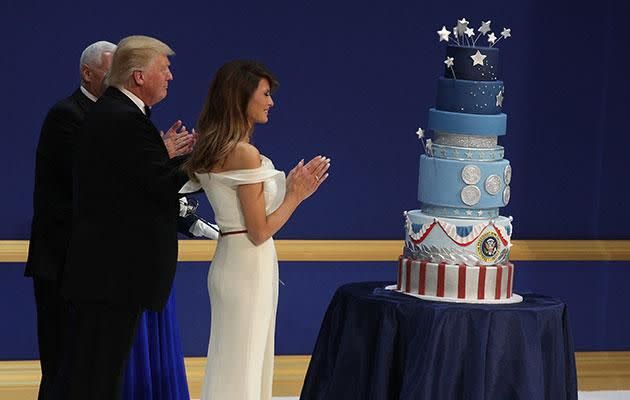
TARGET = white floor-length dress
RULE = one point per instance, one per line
(243, 288)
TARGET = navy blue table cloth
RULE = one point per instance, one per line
(378, 344)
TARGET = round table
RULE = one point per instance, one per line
(380, 344)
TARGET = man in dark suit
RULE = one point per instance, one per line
(52, 200)
(52, 207)
(123, 250)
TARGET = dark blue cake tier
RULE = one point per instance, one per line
(471, 97)
(467, 124)
(463, 63)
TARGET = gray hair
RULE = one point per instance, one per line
(134, 53)
(93, 53)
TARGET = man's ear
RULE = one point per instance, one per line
(138, 78)
(86, 73)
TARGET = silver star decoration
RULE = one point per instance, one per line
(506, 33)
(468, 212)
(485, 27)
(444, 34)
(469, 154)
(480, 213)
(462, 24)
(443, 152)
(492, 38)
(469, 32)
(500, 99)
(456, 211)
(420, 133)
(478, 58)
(456, 153)
(449, 62)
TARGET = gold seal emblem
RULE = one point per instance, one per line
(488, 246)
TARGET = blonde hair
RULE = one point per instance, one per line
(223, 121)
(134, 53)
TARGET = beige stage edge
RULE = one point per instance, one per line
(381, 250)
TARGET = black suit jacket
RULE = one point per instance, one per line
(123, 249)
(52, 197)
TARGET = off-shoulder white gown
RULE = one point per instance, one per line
(243, 287)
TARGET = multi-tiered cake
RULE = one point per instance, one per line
(457, 245)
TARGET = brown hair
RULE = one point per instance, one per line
(223, 120)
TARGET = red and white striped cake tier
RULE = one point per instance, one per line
(456, 283)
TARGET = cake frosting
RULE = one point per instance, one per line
(457, 245)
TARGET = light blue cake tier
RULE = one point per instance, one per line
(459, 212)
(467, 153)
(467, 184)
(467, 124)
(471, 97)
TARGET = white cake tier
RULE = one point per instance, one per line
(457, 240)
(456, 283)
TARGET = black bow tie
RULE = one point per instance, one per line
(147, 111)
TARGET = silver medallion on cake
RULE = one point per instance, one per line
(471, 195)
(471, 174)
(493, 184)
(506, 195)
(507, 174)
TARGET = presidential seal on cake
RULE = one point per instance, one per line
(457, 246)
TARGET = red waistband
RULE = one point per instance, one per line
(232, 233)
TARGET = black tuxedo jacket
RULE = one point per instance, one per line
(52, 197)
(123, 249)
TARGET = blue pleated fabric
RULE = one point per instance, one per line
(155, 369)
(378, 344)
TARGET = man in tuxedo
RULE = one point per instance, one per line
(52, 208)
(123, 249)
(52, 205)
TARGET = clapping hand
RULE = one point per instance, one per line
(178, 140)
(304, 180)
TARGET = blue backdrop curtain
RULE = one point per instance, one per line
(357, 79)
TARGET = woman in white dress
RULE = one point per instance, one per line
(251, 201)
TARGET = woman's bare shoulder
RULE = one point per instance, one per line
(244, 156)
